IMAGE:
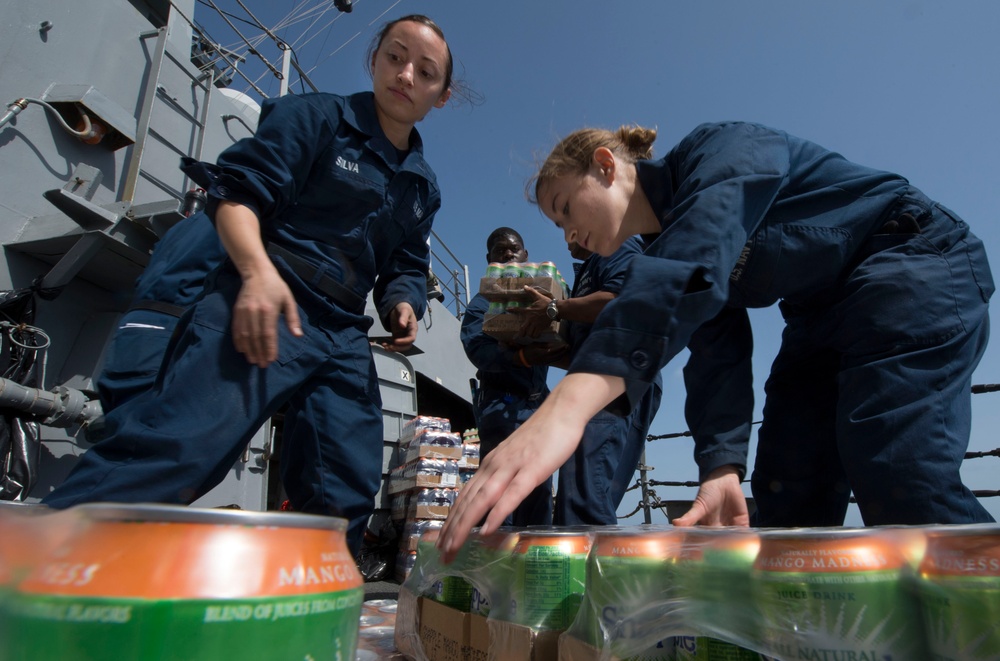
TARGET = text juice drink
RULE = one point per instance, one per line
(835, 594)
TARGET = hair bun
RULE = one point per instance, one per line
(637, 140)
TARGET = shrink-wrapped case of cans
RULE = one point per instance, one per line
(504, 286)
(658, 593)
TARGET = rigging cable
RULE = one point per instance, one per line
(202, 32)
(338, 49)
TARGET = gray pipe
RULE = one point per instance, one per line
(61, 406)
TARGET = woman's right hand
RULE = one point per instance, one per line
(506, 476)
(264, 294)
(528, 457)
(263, 297)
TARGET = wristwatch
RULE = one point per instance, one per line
(552, 310)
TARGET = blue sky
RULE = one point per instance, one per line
(911, 86)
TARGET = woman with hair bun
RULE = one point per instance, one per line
(884, 294)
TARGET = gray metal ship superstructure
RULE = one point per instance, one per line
(101, 99)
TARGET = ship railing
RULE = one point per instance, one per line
(452, 276)
(650, 501)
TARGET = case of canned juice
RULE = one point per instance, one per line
(504, 286)
(918, 593)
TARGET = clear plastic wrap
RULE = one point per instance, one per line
(424, 473)
(657, 593)
(504, 287)
(422, 423)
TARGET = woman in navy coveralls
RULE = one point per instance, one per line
(331, 193)
(884, 294)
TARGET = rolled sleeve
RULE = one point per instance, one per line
(264, 172)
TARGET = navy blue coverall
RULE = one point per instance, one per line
(171, 282)
(885, 296)
(593, 481)
(507, 396)
(330, 190)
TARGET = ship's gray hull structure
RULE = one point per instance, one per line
(83, 218)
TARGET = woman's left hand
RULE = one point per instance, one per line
(720, 501)
(404, 328)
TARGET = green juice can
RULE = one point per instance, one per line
(164, 583)
(452, 591)
(550, 569)
(548, 270)
(835, 594)
(444, 584)
(511, 270)
(494, 270)
(716, 566)
(632, 588)
(959, 588)
(491, 572)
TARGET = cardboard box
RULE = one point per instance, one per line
(423, 474)
(516, 642)
(400, 506)
(427, 512)
(405, 508)
(429, 631)
(444, 631)
(506, 327)
(478, 648)
(407, 634)
(512, 289)
(574, 649)
(470, 456)
(424, 451)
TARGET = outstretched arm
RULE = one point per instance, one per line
(528, 457)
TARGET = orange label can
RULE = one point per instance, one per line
(835, 593)
(632, 582)
(550, 568)
(959, 591)
(165, 583)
